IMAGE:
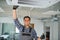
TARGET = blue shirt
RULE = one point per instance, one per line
(20, 27)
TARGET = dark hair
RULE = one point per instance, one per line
(27, 17)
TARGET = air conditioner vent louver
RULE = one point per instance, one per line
(24, 3)
(28, 2)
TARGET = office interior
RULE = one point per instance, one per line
(45, 18)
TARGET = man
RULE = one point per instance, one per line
(26, 32)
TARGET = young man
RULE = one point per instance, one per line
(26, 32)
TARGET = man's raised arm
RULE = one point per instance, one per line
(16, 21)
(14, 12)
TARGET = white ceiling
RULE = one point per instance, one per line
(32, 12)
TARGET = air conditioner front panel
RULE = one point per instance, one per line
(33, 3)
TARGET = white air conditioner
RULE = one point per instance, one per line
(32, 3)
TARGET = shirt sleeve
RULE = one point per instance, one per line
(18, 24)
(34, 34)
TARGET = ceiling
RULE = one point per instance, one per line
(38, 13)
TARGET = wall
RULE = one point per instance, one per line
(39, 27)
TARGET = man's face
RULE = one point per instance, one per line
(26, 22)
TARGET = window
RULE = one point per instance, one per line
(17, 31)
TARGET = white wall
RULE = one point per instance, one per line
(39, 27)
(37, 23)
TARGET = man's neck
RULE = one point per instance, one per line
(26, 26)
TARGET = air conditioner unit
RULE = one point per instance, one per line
(32, 3)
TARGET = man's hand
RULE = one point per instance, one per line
(15, 7)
